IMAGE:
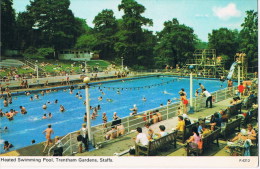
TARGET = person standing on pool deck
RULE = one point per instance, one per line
(241, 89)
(84, 133)
(182, 91)
(48, 132)
(209, 97)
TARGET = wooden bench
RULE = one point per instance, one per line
(231, 127)
(187, 132)
(248, 104)
(250, 116)
(156, 145)
(207, 142)
(234, 109)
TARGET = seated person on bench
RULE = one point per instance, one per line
(194, 141)
(162, 132)
(251, 132)
(141, 138)
(215, 121)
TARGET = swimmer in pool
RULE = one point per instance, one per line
(80, 96)
(50, 115)
(134, 109)
(77, 95)
(44, 116)
(100, 98)
(144, 99)
(36, 96)
(115, 117)
(44, 106)
(95, 111)
(169, 101)
(118, 92)
(85, 117)
(56, 101)
(109, 100)
(23, 110)
(165, 92)
(31, 98)
(62, 109)
(93, 116)
(5, 102)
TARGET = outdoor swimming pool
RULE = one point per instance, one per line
(25, 128)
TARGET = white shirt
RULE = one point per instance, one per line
(59, 143)
(84, 132)
(163, 133)
(207, 94)
(142, 138)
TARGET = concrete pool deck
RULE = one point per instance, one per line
(125, 142)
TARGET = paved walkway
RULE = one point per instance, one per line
(52, 79)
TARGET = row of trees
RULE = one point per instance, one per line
(49, 25)
(228, 42)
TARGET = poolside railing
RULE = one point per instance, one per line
(130, 123)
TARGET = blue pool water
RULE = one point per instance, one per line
(25, 128)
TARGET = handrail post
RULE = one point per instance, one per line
(216, 99)
(167, 111)
(195, 103)
(70, 145)
(128, 124)
(225, 94)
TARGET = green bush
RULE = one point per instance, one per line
(40, 53)
(45, 52)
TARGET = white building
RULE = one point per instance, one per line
(76, 55)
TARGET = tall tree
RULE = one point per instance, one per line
(7, 24)
(131, 35)
(176, 43)
(51, 24)
(226, 43)
(249, 38)
(105, 29)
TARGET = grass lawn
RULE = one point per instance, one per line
(101, 63)
(20, 71)
(61, 65)
(65, 65)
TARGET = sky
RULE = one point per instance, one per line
(201, 15)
